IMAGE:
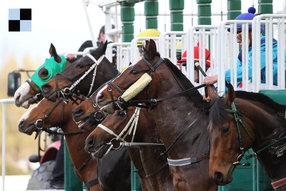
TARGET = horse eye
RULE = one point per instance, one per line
(44, 74)
(79, 66)
(134, 72)
(121, 113)
(224, 130)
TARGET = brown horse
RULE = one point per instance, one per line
(30, 92)
(155, 164)
(238, 124)
(85, 75)
(47, 114)
(179, 111)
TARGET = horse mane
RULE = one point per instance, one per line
(219, 115)
(261, 98)
(186, 84)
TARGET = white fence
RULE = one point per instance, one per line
(221, 41)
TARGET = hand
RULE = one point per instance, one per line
(209, 80)
(208, 99)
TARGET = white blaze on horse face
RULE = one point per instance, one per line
(99, 93)
(22, 91)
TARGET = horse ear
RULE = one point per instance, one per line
(151, 48)
(211, 92)
(54, 53)
(230, 95)
(102, 49)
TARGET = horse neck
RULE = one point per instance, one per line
(149, 157)
(75, 145)
(173, 116)
(268, 127)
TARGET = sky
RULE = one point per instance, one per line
(64, 23)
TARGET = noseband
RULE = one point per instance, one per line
(68, 90)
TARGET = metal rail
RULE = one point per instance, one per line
(3, 103)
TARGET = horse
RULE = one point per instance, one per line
(180, 113)
(155, 165)
(237, 124)
(30, 92)
(47, 114)
(93, 68)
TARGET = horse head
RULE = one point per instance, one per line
(228, 137)
(141, 73)
(87, 114)
(30, 92)
(85, 70)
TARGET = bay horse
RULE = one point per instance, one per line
(181, 119)
(238, 124)
(47, 114)
(155, 165)
(85, 75)
(30, 92)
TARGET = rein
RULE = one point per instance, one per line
(130, 128)
(239, 121)
(185, 161)
(153, 102)
(67, 91)
(275, 184)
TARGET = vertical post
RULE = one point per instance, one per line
(204, 12)
(72, 183)
(3, 144)
(151, 11)
(233, 9)
(135, 182)
(177, 18)
(4, 102)
(127, 18)
(265, 6)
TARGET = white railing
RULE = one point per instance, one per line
(123, 54)
(4, 102)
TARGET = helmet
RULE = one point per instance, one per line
(179, 47)
(197, 56)
(147, 33)
(179, 50)
(245, 16)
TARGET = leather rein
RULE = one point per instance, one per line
(150, 103)
(40, 125)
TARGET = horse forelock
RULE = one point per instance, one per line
(218, 113)
(263, 99)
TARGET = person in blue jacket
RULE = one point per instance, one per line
(249, 16)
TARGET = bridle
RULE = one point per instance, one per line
(239, 122)
(122, 105)
(130, 129)
(69, 90)
(275, 184)
(40, 125)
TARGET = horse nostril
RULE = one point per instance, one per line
(20, 124)
(77, 112)
(46, 88)
(89, 143)
(218, 177)
(100, 96)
